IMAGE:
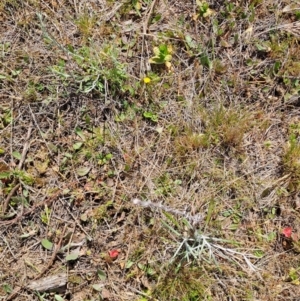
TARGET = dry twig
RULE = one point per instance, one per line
(149, 14)
(9, 196)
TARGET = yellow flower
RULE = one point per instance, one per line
(147, 80)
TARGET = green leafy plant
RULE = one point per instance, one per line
(45, 215)
(104, 158)
(162, 55)
(203, 9)
(294, 276)
(18, 175)
(235, 215)
(5, 117)
(165, 185)
(94, 68)
(151, 116)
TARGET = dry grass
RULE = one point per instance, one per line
(207, 138)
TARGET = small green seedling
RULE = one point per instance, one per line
(294, 276)
(162, 55)
(104, 158)
(151, 116)
(7, 288)
(203, 9)
(45, 215)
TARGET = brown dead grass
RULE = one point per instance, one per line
(217, 146)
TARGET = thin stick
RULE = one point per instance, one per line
(9, 196)
(25, 148)
(150, 11)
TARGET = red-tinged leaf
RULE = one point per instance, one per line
(287, 232)
(113, 253)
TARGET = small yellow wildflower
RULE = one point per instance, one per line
(147, 80)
